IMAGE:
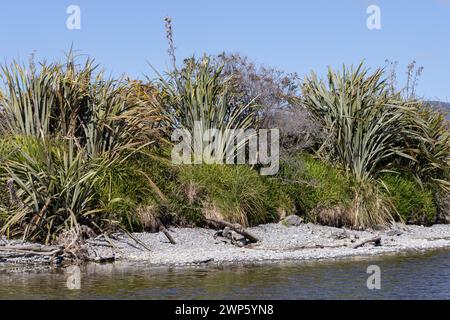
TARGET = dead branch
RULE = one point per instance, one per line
(32, 252)
(163, 229)
(376, 241)
(227, 234)
(206, 261)
(32, 249)
(235, 227)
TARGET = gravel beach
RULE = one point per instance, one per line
(196, 246)
(278, 243)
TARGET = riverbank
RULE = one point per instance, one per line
(195, 246)
(424, 275)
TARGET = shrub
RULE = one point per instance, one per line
(122, 190)
(363, 122)
(146, 187)
(281, 199)
(414, 204)
(70, 101)
(430, 162)
(274, 93)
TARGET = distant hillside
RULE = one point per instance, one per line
(444, 106)
(440, 104)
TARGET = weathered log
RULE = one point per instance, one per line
(236, 228)
(31, 250)
(203, 261)
(227, 234)
(30, 247)
(376, 241)
(163, 229)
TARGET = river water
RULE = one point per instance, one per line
(408, 276)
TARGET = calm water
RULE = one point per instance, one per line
(419, 276)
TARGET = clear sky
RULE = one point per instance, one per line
(293, 35)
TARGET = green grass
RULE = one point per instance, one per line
(310, 183)
(414, 204)
(233, 193)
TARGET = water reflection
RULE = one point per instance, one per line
(419, 276)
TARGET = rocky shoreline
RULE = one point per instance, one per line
(277, 242)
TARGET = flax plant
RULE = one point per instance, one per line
(367, 130)
(65, 124)
(199, 98)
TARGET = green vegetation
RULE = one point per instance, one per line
(199, 98)
(316, 182)
(370, 130)
(414, 204)
(80, 152)
(55, 188)
(64, 126)
(315, 187)
(232, 193)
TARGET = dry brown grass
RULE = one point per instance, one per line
(192, 192)
(147, 217)
(336, 216)
(211, 211)
(368, 208)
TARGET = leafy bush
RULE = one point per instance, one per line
(414, 204)
(325, 185)
(146, 187)
(70, 101)
(363, 122)
(122, 189)
(274, 92)
(281, 198)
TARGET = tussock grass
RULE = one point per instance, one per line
(236, 194)
(414, 203)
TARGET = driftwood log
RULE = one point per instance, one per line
(31, 250)
(376, 241)
(228, 234)
(236, 228)
(164, 230)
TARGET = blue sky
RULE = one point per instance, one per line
(292, 35)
